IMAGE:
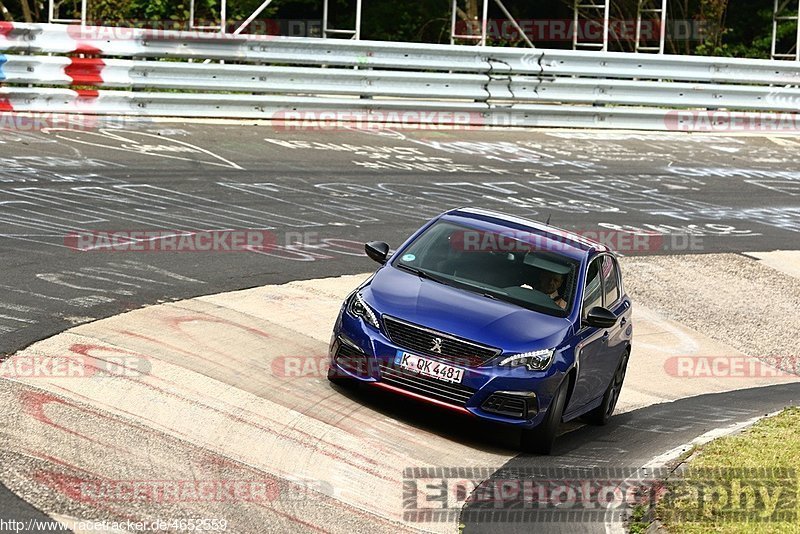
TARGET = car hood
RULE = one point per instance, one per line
(462, 313)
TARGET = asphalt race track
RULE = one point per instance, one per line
(319, 194)
(734, 193)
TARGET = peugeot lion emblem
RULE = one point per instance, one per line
(437, 345)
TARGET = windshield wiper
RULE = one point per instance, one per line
(489, 294)
(493, 294)
(422, 274)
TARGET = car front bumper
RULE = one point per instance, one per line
(513, 396)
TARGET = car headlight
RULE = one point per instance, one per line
(359, 308)
(535, 361)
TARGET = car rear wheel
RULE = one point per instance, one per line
(602, 414)
(540, 440)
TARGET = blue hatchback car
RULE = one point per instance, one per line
(492, 315)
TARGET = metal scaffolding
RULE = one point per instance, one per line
(327, 31)
(54, 18)
(221, 27)
(785, 12)
(584, 12)
(587, 15)
(482, 24)
(651, 12)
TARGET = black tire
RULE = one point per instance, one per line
(602, 414)
(540, 440)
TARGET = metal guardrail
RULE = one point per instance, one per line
(275, 75)
(315, 113)
(382, 83)
(133, 42)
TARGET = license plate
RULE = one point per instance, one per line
(431, 368)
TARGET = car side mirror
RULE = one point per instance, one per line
(377, 250)
(600, 317)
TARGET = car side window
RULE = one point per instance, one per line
(610, 281)
(593, 294)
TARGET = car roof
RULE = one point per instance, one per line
(568, 243)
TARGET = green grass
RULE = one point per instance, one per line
(637, 522)
(764, 459)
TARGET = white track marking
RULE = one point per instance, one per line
(117, 135)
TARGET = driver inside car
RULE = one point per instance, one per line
(547, 276)
(549, 283)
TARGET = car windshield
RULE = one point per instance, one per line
(505, 265)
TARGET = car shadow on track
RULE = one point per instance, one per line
(464, 429)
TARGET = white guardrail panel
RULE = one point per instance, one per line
(399, 84)
(315, 111)
(129, 42)
(245, 78)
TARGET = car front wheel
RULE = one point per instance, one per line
(540, 440)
